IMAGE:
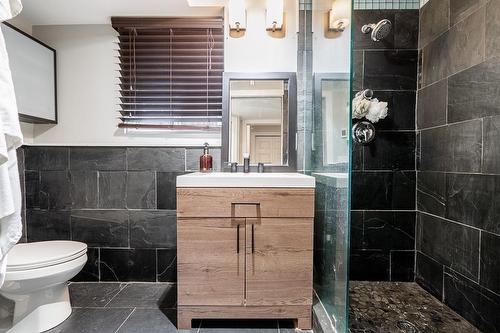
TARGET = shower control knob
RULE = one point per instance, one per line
(363, 132)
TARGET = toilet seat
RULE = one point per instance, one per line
(29, 256)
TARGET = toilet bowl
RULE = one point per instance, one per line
(36, 280)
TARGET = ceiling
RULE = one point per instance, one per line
(55, 12)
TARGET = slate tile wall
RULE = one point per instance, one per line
(120, 201)
(458, 178)
(384, 176)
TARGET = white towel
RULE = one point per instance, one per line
(10, 139)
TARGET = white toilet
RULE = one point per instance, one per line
(36, 280)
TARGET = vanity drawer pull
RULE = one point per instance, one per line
(253, 238)
(238, 239)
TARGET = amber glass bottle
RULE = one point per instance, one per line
(205, 160)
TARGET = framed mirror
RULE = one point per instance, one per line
(259, 119)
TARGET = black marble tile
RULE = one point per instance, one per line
(383, 190)
(55, 190)
(112, 189)
(492, 28)
(141, 189)
(6, 313)
(391, 151)
(167, 265)
(431, 192)
(153, 229)
(32, 189)
(369, 265)
(429, 275)
(159, 159)
(48, 225)
(46, 158)
(457, 49)
(450, 244)
(150, 321)
(389, 230)
(490, 262)
(406, 29)
(401, 115)
(434, 20)
(472, 93)
(128, 265)
(456, 147)
(460, 9)
(146, 296)
(89, 272)
(364, 41)
(432, 104)
(97, 158)
(93, 295)
(357, 157)
(391, 70)
(357, 71)
(491, 148)
(357, 230)
(476, 304)
(91, 320)
(434, 149)
(473, 200)
(465, 146)
(402, 266)
(100, 228)
(84, 189)
(166, 187)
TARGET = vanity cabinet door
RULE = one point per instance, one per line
(211, 266)
(279, 261)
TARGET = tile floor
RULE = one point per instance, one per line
(143, 308)
(375, 307)
(396, 307)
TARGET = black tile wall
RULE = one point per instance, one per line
(451, 244)
(429, 274)
(458, 178)
(489, 269)
(475, 303)
(384, 180)
(120, 201)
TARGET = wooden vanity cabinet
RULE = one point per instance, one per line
(245, 253)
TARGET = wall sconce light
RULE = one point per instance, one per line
(274, 15)
(237, 15)
(338, 16)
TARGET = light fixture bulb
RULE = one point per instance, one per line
(274, 14)
(237, 15)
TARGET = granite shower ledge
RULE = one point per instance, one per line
(333, 179)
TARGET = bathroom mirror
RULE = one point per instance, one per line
(331, 120)
(259, 117)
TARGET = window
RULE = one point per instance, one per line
(170, 74)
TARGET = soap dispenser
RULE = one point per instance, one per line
(205, 160)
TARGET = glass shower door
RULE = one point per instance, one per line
(331, 162)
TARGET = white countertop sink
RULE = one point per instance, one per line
(227, 179)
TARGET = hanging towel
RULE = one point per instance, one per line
(10, 139)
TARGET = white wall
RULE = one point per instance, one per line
(256, 51)
(332, 51)
(26, 128)
(87, 93)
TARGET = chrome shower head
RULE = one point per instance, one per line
(378, 30)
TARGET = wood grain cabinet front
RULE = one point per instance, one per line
(247, 265)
